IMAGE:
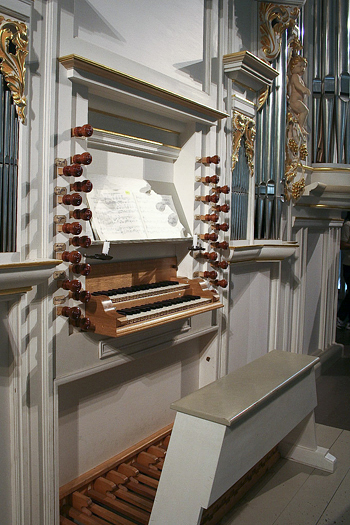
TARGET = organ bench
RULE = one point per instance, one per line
(223, 429)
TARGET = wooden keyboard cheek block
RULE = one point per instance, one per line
(102, 311)
(225, 428)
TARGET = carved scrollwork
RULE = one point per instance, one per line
(13, 51)
(275, 19)
(243, 127)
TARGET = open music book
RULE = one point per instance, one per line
(124, 214)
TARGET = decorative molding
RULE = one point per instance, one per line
(275, 19)
(248, 70)
(133, 145)
(19, 278)
(243, 126)
(79, 68)
(13, 51)
(267, 252)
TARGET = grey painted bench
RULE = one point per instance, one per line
(225, 428)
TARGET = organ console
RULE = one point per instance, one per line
(84, 241)
(83, 131)
(71, 199)
(85, 186)
(220, 245)
(85, 214)
(70, 227)
(74, 170)
(225, 208)
(131, 296)
(82, 158)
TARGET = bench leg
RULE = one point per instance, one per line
(300, 445)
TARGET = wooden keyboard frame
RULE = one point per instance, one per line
(102, 311)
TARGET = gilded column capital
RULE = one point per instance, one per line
(275, 19)
(13, 51)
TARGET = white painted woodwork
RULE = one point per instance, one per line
(223, 429)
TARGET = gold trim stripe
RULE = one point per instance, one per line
(327, 169)
(11, 291)
(106, 131)
(29, 264)
(84, 64)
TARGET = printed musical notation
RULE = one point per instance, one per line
(126, 215)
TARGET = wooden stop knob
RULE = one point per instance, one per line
(83, 242)
(222, 189)
(212, 256)
(84, 323)
(72, 285)
(72, 227)
(211, 198)
(209, 236)
(71, 312)
(210, 275)
(223, 207)
(71, 257)
(81, 269)
(83, 296)
(82, 158)
(222, 283)
(85, 186)
(220, 245)
(84, 214)
(222, 227)
(83, 131)
(214, 179)
(72, 199)
(222, 264)
(74, 170)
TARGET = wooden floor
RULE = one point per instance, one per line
(293, 494)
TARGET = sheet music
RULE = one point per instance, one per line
(123, 214)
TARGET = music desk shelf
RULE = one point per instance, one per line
(223, 429)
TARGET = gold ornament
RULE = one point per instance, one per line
(275, 19)
(243, 127)
(13, 51)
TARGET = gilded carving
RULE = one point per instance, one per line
(296, 149)
(275, 19)
(13, 51)
(243, 127)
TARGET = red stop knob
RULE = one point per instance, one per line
(85, 186)
(84, 214)
(214, 179)
(72, 285)
(213, 217)
(71, 312)
(83, 242)
(83, 323)
(212, 256)
(222, 189)
(81, 269)
(83, 131)
(83, 158)
(74, 170)
(83, 296)
(210, 275)
(222, 227)
(71, 257)
(211, 198)
(222, 283)
(224, 208)
(209, 236)
(72, 227)
(220, 245)
(73, 199)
